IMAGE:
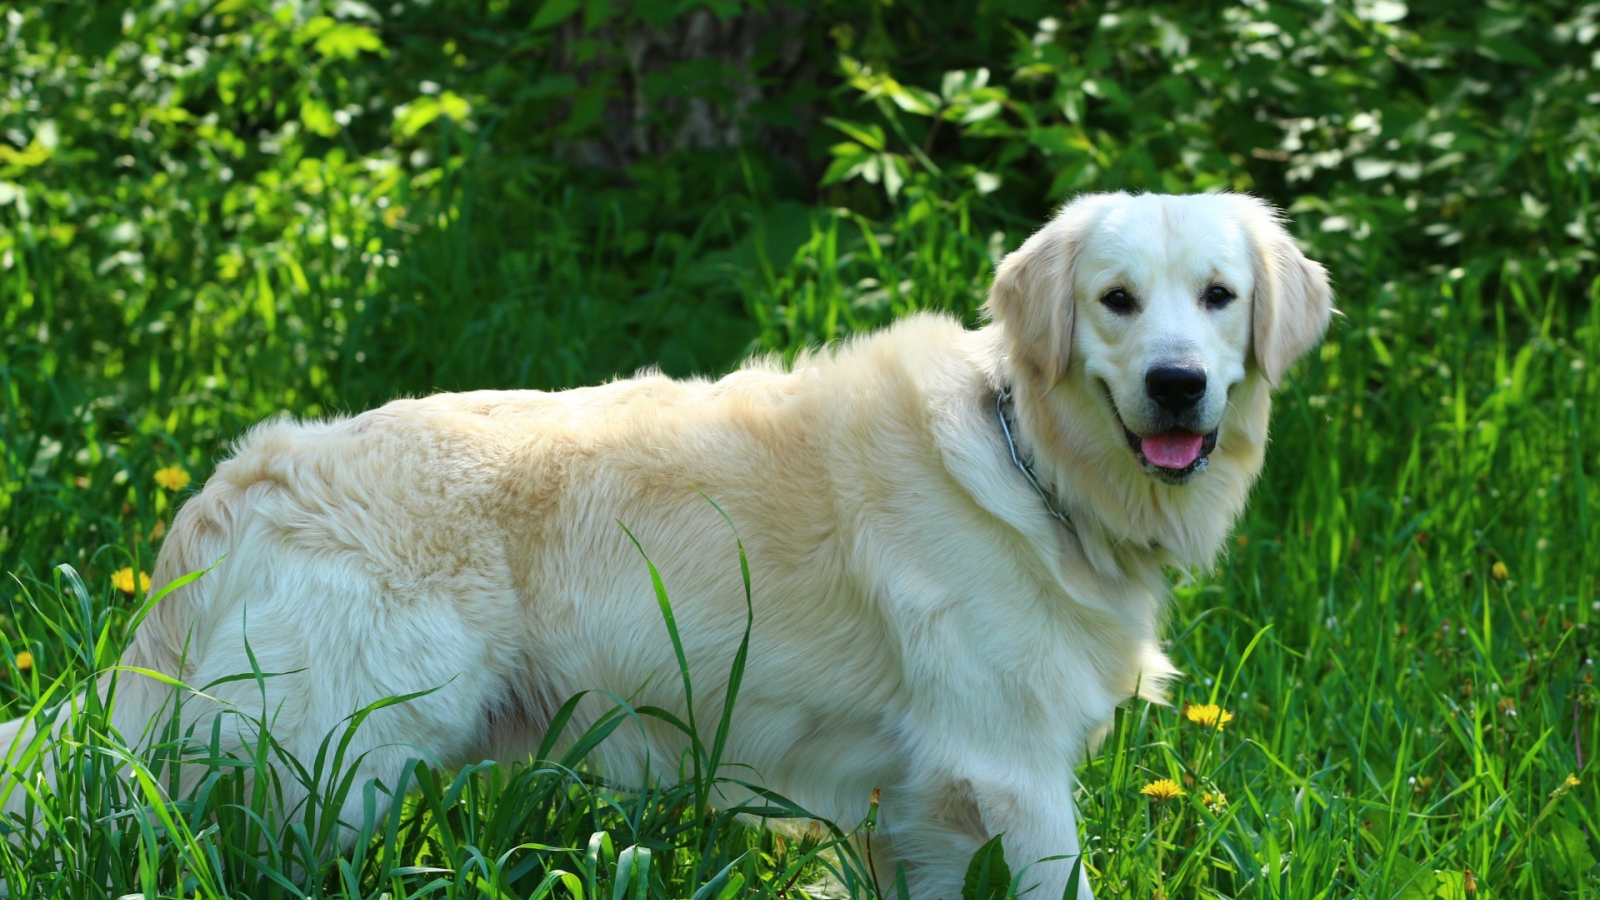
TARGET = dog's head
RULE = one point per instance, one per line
(1160, 306)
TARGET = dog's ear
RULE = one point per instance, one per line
(1292, 300)
(1031, 296)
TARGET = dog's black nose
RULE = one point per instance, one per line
(1175, 388)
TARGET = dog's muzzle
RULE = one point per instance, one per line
(1173, 454)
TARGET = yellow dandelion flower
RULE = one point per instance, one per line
(173, 478)
(1217, 801)
(1565, 787)
(1208, 715)
(1162, 789)
(24, 660)
(122, 580)
(1499, 571)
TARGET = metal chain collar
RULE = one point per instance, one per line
(1002, 399)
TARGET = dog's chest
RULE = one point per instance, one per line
(1010, 654)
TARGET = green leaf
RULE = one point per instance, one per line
(266, 300)
(1568, 852)
(843, 169)
(870, 136)
(454, 105)
(1380, 349)
(895, 170)
(317, 117)
(1075, 880)
(1452, 885)
(734, 887)
(633, 874)
(342, 40)
(1413, 880)
(547, 87)
(415, 116)
(721, 882)
(872, 169)
(916, 101)
(1506, 50)
(598, 855)
(956, 84)
(986, 110)
(1382, 11)
(988, 876)
(597, 13)
(420, 113)
(1059, 140)
(553, 13)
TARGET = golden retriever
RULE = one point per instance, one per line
(956, 541)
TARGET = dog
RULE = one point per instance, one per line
(956, 542)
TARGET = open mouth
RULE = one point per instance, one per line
(1173, 455)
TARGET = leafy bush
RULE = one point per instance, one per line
(1414, 139)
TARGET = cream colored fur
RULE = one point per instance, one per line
(922, 625)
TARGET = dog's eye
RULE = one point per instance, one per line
(1118, 301)
(1218, 296)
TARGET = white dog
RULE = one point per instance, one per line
(956, 541)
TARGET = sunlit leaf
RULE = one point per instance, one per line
(317, 117)
(342, 40)
(870, 136)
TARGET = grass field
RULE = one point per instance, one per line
(1403, 631)
(1402, 634)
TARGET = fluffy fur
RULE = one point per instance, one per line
(922, 624)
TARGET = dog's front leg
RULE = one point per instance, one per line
(940, 820)
(1038, 825)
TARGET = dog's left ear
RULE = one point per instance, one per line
(1031, 296)
(1293, 301)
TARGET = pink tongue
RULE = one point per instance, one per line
(1172, 450)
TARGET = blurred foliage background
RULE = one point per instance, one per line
(214, 212)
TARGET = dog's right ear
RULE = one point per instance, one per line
(1031, 297)
(1293, 301)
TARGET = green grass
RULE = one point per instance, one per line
(1402, 713)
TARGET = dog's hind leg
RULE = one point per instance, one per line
(337, 649)
(309, 616)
